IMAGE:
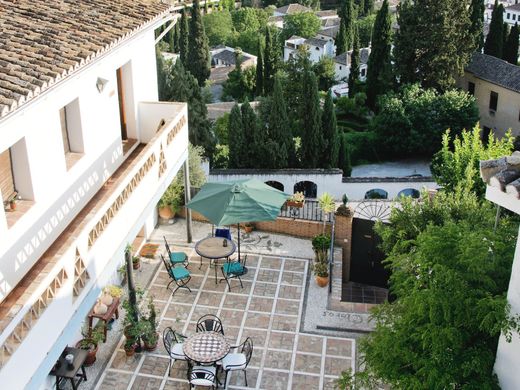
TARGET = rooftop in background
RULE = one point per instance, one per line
(364, 54)
(43, 42)
(514, 7)
(401, 168)
(292, 9)
(495, 71)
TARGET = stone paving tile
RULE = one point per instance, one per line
(284, 306)
(290, 292)
(330, 383)
(339, 347)
(160, 292)
(146, 383)
(176, 385)
(252, 261)
(312, 344)
(125, 363)
(179, 370)
(259, 337)
(154, 365)
(256, 357)
(184, 296)
(257, 320)
(300, 381)
(232, 317)
(307, 363)
(237, 378)
(285, 323)
(293, 278)
(210, 285)
(177, 311)
(334, 365)
(115, 381)
(234, 301)
(195, 282)
(267, 275)
(271, 262)
(278, 359)
(231, 333)
(278, 340)
(261, 304)
(273, 380)
(294, 265)
(264, 289)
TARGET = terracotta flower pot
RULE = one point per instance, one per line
(130, 351)
(136, 264)
(166, 212)
(150, 347)
(291, 203)
(322, 281)
(248, 229)
(91, 355)
(12, 205)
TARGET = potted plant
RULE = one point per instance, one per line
(327, 205)
(321, 245)
(136, 262)
(248, 227)
(129, 346)
(113, 290)
(122, 273)
(89, 342)
(149, 327)
(169, 203)
(296, 200)
(321, 272)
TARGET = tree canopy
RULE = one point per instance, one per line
(510, 52)
(495, 38)
(303, 24)
(219, 28)
(198, 55)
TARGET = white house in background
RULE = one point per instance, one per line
(225, 56)
(342, 64)
(318, 48)
(327, 14)
(508, 354)
(328, 33)
(512, 14)
(291, 9)
(88, 151)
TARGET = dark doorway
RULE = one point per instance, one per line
(275, 184)
(122, 107)
(366, 258)
(309, 189)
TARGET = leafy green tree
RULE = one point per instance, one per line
(240, 84)
(325, 72)
(198, 55)
(329, 129)
(347, 15)
(236, 141)
(344, 157)
(312, 139)
(495, 40)
(369, 7)
(254, 138)
(511, 47)
(259, 91)
(477, 9)
(434, 42)
(176, 38)
(249, 19)
(302, 24)
(457, 163)
(163, 82)
(184, 88)
(219, 28)
(270, 60)
(360, 4)
(183, 37)
(342, 38)
(379, 72)
(449, 274)
(353, 76)
(412, 121)
(221, 128)
(365, 27)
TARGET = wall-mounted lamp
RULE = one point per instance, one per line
(101, 83)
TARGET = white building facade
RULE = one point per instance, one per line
(87, 156)
(317, 48)
(512, 14)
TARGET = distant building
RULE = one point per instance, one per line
(512, 14)
(495, 83)
(318, 48)
(342, 64)
(225, 56)
(291, 9)
(327, 17)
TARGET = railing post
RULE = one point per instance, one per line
(187, 198)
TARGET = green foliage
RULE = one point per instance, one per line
(450, 273)
(184, 88)
(325, 72)
(365, 26)
(353, 76)
(510, 52)
(353, 106)
(270, 60)
(295, 69)
(457, 163)
(342, 39)
(477, 9)
(219, 28)
(312, 139)
(259, 87)
(360, 149)
(302, 24)
(240, 84)
(176, 38)
(379, 73)
(495, 40)
(321, 269)
(163, 81)
(183, 37)
(344, 157)
(321, 242)
(220, 129)
(220, 158)
(198, 56)
(329, 128)
(249, 19)
(412, 121)
(348, 17)
(237, 147)
(433, 43)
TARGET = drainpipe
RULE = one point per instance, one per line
(187, 198)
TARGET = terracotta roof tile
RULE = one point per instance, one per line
(43, 41)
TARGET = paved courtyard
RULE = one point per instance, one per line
(268, 309)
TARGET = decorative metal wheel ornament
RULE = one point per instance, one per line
(373, 210)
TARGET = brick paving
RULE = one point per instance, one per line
(268, 309)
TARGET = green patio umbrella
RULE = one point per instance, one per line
(228, 203)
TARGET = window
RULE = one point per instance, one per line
(363, 72)
(6, 176)
(317, 48)
(340, 67)
(514, 16)
(486, 131)
(493, 101)
(70, 123)
(508, 16)
(471, 88)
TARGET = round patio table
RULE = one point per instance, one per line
(206, 347)
(213, 248)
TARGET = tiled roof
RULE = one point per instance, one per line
(292, 9)
(330, 32)
(364, 54)
(228, 56)
(316, 42)
(503, 173)
(330, 22)
(325, 13)
(495, 71)
(341, 59)
(514, 7)
(44, 41)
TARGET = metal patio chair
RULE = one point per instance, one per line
(178, 275)
(176, 257)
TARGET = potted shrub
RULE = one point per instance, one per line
(327, 205)
(296, 200)
(129, 347)
(321, 272)
(248, 227)
(169, 203)
(149, 326)
(89, 342)
(136, 262)
(321, 245)
(122, 273)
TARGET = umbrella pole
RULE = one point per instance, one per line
(238, 226)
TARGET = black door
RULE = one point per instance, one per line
(366, 259)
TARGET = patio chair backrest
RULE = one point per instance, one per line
(168, 268)
(197, 377)
(224, 233)
(247, 349)
(170, 338)
(210, 323)
(167, 247)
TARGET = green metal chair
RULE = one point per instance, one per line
(234, 270)
(176, 257)
(180, 275)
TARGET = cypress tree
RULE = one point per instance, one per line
(344, 157)
(369, 7)
(279, 128)
(505, 35)
(379, 73)
(361, 7)
(198, 57)
(511, 47)
(494, 40)
(329, 129)
(174, 46)
(353, 75)
(236, 138)
(162, 78)
(183, 38)
(312, 140)
(254, 141)
(342, 38)
(346, 13)
(270, 61)
(260, 69)
(206, 11)
(477, 9)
